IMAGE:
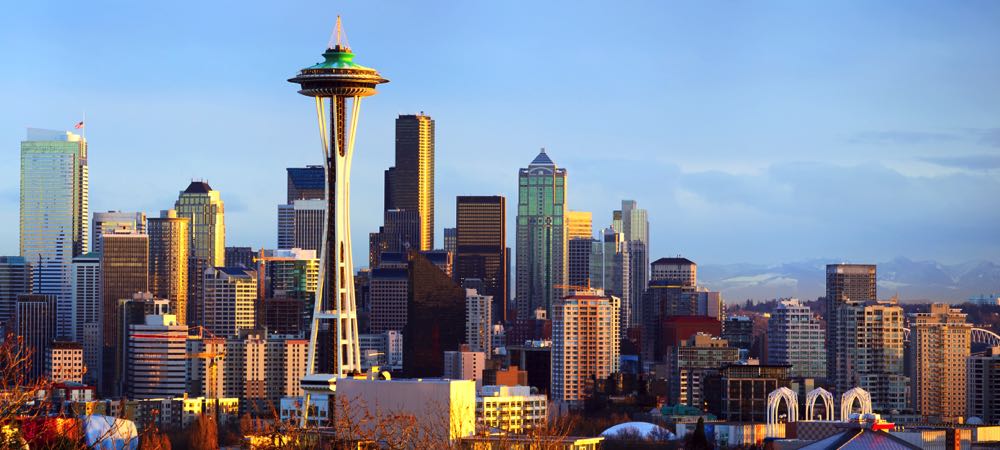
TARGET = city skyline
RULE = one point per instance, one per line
(695, 180)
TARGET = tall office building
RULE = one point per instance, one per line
(481, 248)
(388, 293)
(795, 338)
(15, 279)
(580, 238)
(300, 220)
(478, 325)
(940, 345)
(289, 290)
(35, 322)
(399, 234)
(87, 297)
(846, 285)
(111, 221)
(306, 183)
(54, 212)
(675, 271)
(450, 240)
(635, 228)
(206, 211)
(695, 359)
(409, 185)
(585, 344)
(169, 253)
(610, 264)
(435, 321)
(230, 300)
(157, 358)
(241, 257)
(541, 235)
(124, 272)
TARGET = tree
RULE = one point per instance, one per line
(204, 434)
(698, 440)
(153, 439)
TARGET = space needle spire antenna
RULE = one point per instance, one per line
(337, 84)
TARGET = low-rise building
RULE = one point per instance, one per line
(512, 409)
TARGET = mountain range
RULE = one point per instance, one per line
(913, 281)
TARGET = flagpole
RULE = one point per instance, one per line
(85, 125)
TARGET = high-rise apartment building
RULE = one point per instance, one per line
(206, 366)
(230, 298)
(169, 253)
(541, 235)
(845, 284)
(15, 279)
(87, 297)
(157, 358)
(115, 221)
(478, 325)
(409, 185)
(795, 339)
(481, 248)
(939, 342)
(610, 270)
(870, 347)
(464, 365)
(124, 272)
(54, 212)
(585, 344)
(982, 386)
(35, 322)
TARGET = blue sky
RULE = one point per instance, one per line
(753, 132)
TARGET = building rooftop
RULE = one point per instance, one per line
(198, 187)
(309, 177)
(676, 260)
(542, 160)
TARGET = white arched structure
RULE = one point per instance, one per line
(817, 394)
(774, 400)
(847, 400)
(984, 336)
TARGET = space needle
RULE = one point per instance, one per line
(344, 83)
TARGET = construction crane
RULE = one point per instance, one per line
(212, 358)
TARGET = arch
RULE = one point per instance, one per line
(984, 336)
(817, 394)
(774, 401)
(847, 400)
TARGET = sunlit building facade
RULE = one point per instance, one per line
(54, 213)
(585, 344)
(541, 236)
(939, 342)
(169, 251)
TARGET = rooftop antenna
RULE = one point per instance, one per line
(339, 38)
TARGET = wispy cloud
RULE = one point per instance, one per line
(903, 137)
(971, 162)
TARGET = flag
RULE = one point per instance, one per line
(78, 125)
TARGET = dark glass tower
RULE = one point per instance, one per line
(409, 185)
(481, 247)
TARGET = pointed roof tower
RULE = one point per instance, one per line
(542, 160)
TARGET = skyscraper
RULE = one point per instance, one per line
(541, 235)
(478, 327)
(435, 323)
(305, 183)
(481, 248)
(15, 279)
(585, 344)
(87, 297)
(54, 211)
(635, 228)
(106, 222)
(124, 272)
(400, 232)
(410, 183)
(206, 211)
(450, 240)
(795, 338)
(157, 358)
(940, 345)
(169, 253)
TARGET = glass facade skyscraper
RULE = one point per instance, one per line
(410, 183)
(541, 235)
(54, 210)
